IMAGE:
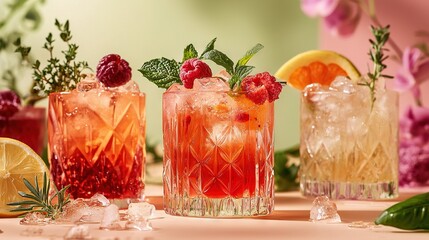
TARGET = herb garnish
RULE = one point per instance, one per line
(57, 75)
(40, 200)
(164, 72)
(377, 56)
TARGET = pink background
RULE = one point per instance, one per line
(405, 19)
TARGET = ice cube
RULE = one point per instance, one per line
(176, 87)
(80, 232)
(98, 200)
(130, 86)
(73, 211)
(210, 84)
(324, 210)
(79, 210)
(33, 218)
(92, 214)
(314, 92)
(111, 218)
(140, 210)
(140, 225)
(342, 84)
(88, 83)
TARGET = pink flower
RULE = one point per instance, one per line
(414, 147)
(413, 72)
(315, 8)
(340, 16)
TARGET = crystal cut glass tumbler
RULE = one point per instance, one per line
(97, 143)
(218, 154)
(349, 147)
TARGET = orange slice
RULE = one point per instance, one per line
(316, 66)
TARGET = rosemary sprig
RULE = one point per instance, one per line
(58, 75)
(377, 56)
(39, 200)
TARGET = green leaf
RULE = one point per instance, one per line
(243, 71)
(221, 59)
(249, 54)
(189, 52)
(161, 71)
(233, 82)
(209, 47)
(240, 73)
(409, 214)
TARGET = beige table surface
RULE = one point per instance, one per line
(288, 221)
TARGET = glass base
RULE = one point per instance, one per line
(349, 190)
(219, 207)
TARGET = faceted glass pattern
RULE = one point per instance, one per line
(97, 143)
(218, 154)
(349, 150)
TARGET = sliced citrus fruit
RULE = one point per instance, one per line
(316, 66)
(17, 161)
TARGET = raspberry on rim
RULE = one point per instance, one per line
(113, 71)
(192, 69)
(261, 87)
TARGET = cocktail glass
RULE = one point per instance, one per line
(218, 152)
(349, 146)
(96, 141)
(28, 125)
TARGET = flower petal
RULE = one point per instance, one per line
(404, 80)
(344, 19)
(410, 58)
(322, 8)
(422, 73)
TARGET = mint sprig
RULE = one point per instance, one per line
(165, 72)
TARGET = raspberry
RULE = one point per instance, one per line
(192, 69)
(242, 117)
(9, 103)
(113, 71)
(274, 88)
(261, 87)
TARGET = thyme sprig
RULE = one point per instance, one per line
(377, 56)
(57, 75)
(39, 200)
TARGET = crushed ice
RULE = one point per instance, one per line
(324, 210)
(33, 218)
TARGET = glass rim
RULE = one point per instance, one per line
(53, 94)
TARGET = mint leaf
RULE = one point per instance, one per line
(189, 52)
(221, 59)
(249, 54)
(161, 71)
(233, 82)
(209, 46)
(243, 71)
(240, 73)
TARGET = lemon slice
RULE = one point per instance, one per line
(316, 66)
(17, 161)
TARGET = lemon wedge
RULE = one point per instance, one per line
(17, 161)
